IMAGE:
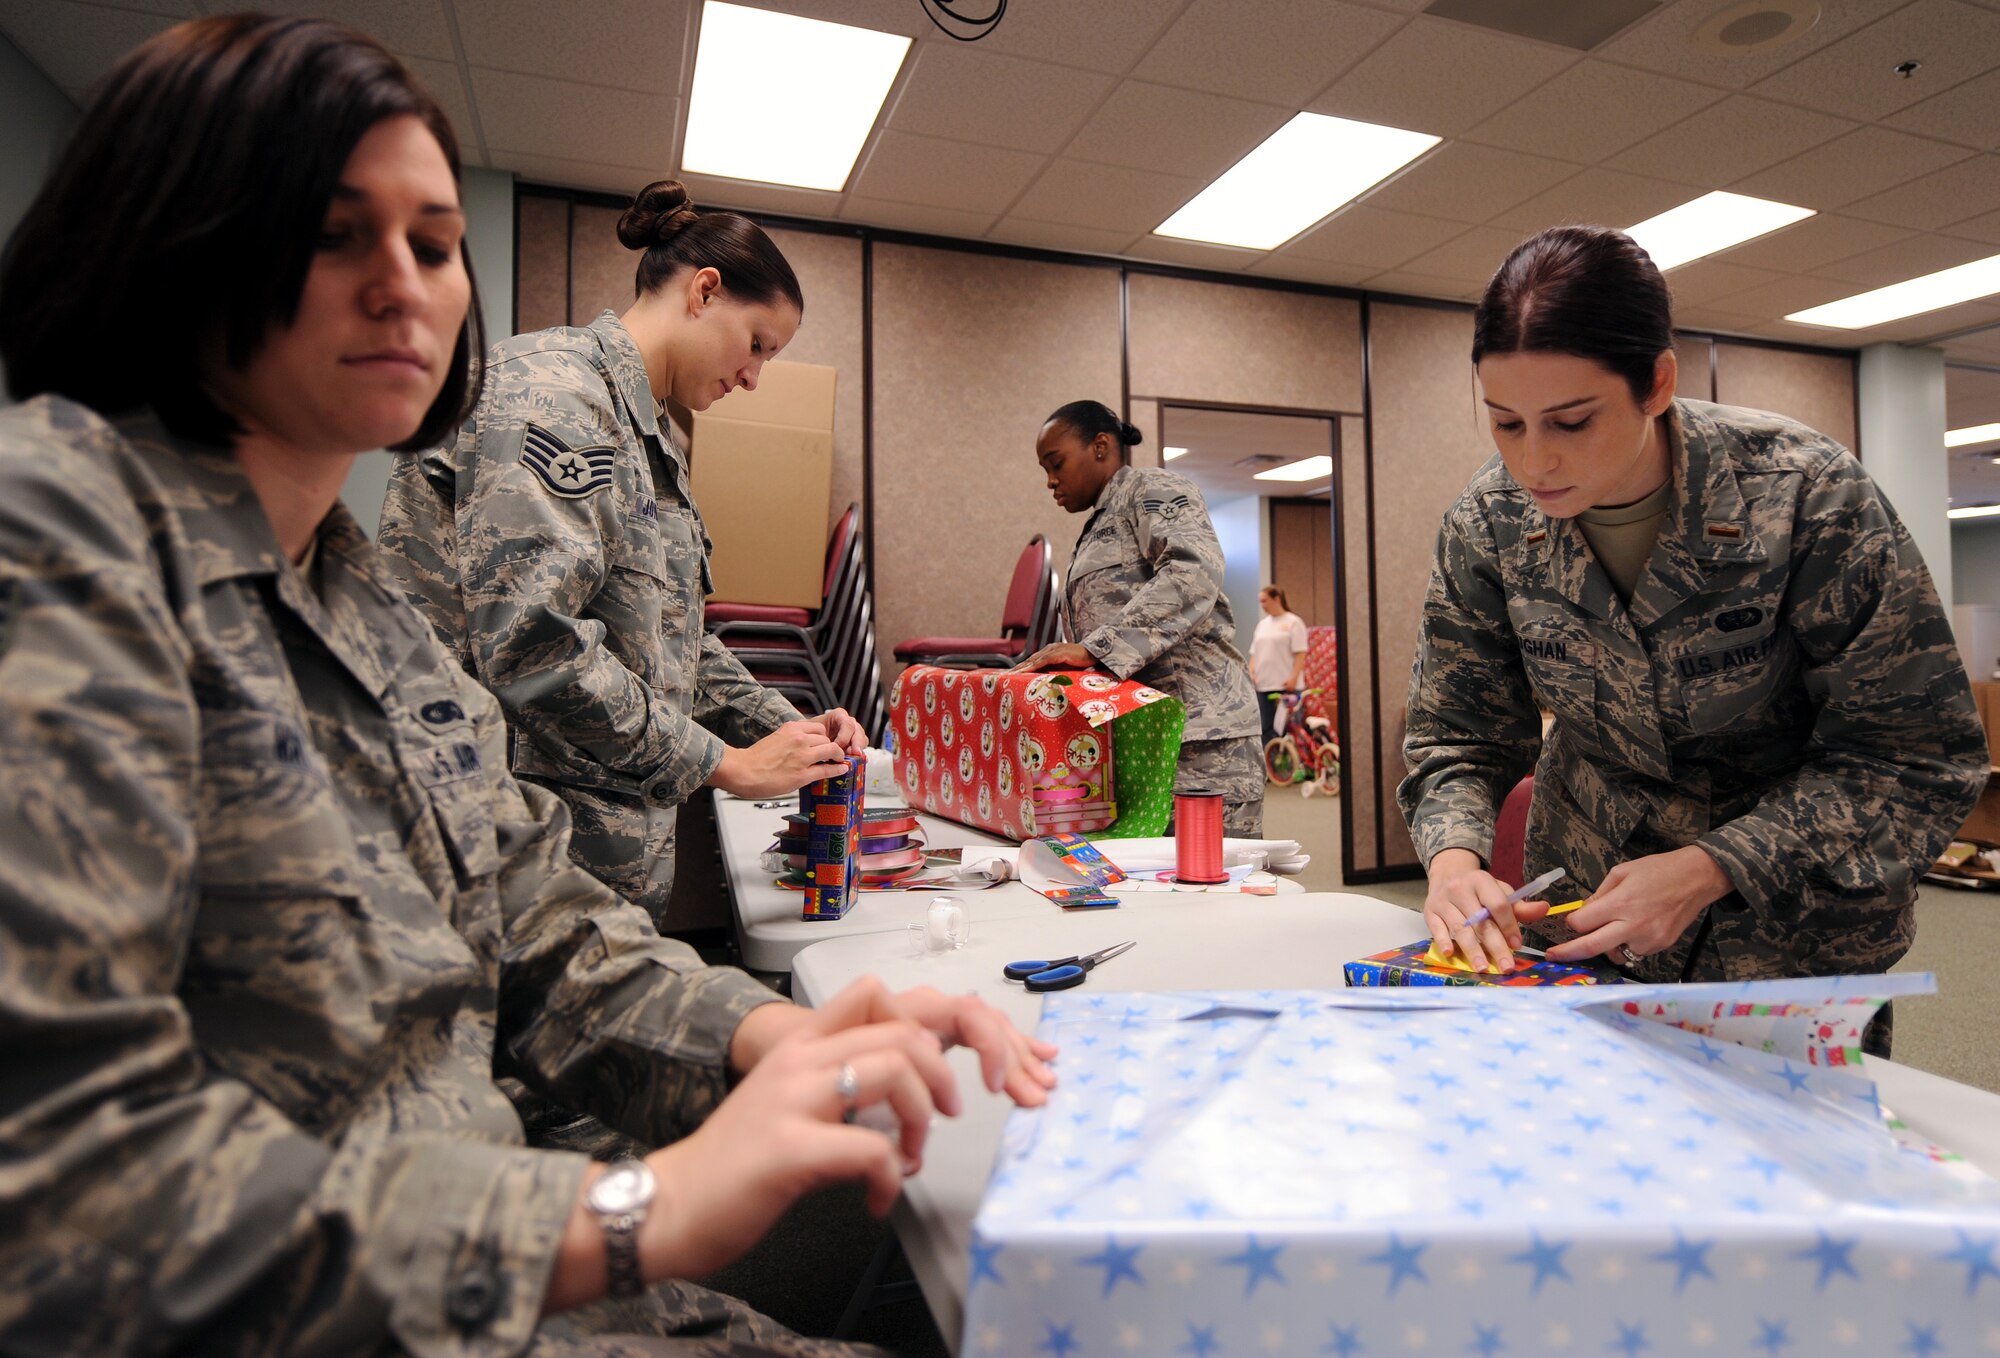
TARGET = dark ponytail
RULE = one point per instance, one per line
(663, 223)
(1583, 290)
(1088, 419)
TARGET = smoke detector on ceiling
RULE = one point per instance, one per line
(1754, 27)
(1257, 462)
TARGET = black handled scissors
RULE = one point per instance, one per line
(1061, 973)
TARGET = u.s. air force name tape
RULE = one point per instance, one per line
(569, 472)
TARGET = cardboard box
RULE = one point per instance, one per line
(1656, 1170)
(1986, 694)
(763, 474)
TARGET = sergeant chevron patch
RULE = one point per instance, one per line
(570, 472)
(1168, 509)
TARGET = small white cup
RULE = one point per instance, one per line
(946, 927)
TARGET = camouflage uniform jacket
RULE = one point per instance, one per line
(1145, 598)
(1782, 690)
(271, 912)
(556, 547)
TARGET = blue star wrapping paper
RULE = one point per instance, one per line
(1630, 1170)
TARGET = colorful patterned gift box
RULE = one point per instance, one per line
(1024, 755)
(1565, 1170)
(832, 810)
(1406, 966)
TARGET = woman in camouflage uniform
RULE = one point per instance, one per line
(1145, 600)
(1762, 732)
(272, 908)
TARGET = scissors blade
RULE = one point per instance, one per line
(1089, 960)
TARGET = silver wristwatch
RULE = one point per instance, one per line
(619, 1198)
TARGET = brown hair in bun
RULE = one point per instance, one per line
(663, 223)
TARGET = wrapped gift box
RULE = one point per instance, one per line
(1469, 1171)
(1406, 966)
(1023, 755)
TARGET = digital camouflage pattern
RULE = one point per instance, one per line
(1145, 598)
(271, 910)
(556, 548)
(1782, 689)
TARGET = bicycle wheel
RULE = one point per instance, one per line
(1326, 769)
(1282, 762)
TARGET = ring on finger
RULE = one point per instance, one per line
(1631, 959)
(848, 1086)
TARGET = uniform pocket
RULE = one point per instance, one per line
(455, 781)
(266, 815)
(1730, 679)
(1561, 663)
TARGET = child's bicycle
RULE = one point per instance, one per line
(1305, 750)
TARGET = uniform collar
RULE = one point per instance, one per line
(229, 535)
(628, 371)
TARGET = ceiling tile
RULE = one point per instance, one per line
(1965, 115)
(1361, 234)
(1301, 269)
(1593, 110)
(1108, 197)
(1912, 257)
(935, 173)
(1398, 84)
(1926, 327)
(1424, 285)
(1787, 295)
(1726, 141)
(415, 28)
(574, 174)
(1664, 42)
(980, 96)
(179, 9)
(1967, 189)
(1707, 318)
(1984, 227)
(937, 221)
(630, 44)
(75, 44)
(1811, 243)
(907, 20)
(447, 86)
(1466, 182)
(1051, 236)
(1097, 37)
(1856, 77)
(1470, 258)
(1605, 196)
(1281, 51)
(1194, 254)
(1710, 282)
(546, 117)
(1864, 161)
(1157, 127)
(747, 196)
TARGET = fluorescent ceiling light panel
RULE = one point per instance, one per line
(1972, 433)
(1301, 172)
(784, 100)
(1973, 512)
(1911, 297)
(1714, 221)
(1169, 454)
(1305, 469)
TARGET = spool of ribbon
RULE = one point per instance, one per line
(1198, 838)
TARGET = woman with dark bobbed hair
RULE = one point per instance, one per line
(1144, 598)
(556, 547)
(1762, 732)
(273, 911)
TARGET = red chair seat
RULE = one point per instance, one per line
(791, 617)
(739, 641)
(923, 646)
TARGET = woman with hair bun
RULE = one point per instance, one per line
(1145, 599)
(556, 547)
(1762, 732)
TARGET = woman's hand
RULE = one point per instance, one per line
(1645, 906)
(845, 731)
(797, 753)
(1461, 885)
(1064, 655)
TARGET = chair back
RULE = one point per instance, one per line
(1510, 834)
(1027, 593)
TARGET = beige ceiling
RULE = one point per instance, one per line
(1081, 124)
(1219, 443)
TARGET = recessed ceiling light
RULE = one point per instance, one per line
(1714, 221)
(1972, 433)
(1305, 469)
(1299, 174)
(1973, 512)
(1911, 297)
(784, 100)
(1169, 454)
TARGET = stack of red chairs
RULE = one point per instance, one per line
(821, 658)
(1031, 620)
(1322, 672)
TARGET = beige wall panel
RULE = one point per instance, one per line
(601, 270)
(971, 353)
(1813, 388)
(1695, 377)
(1145, 417)
(1428, 442)
(1358, 775)
(1195, 341)
(541, 270)
(829, 270)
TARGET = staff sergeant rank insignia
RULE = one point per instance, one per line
(1167, 509)
(570, 472)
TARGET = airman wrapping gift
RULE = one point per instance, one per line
(1025, 755)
